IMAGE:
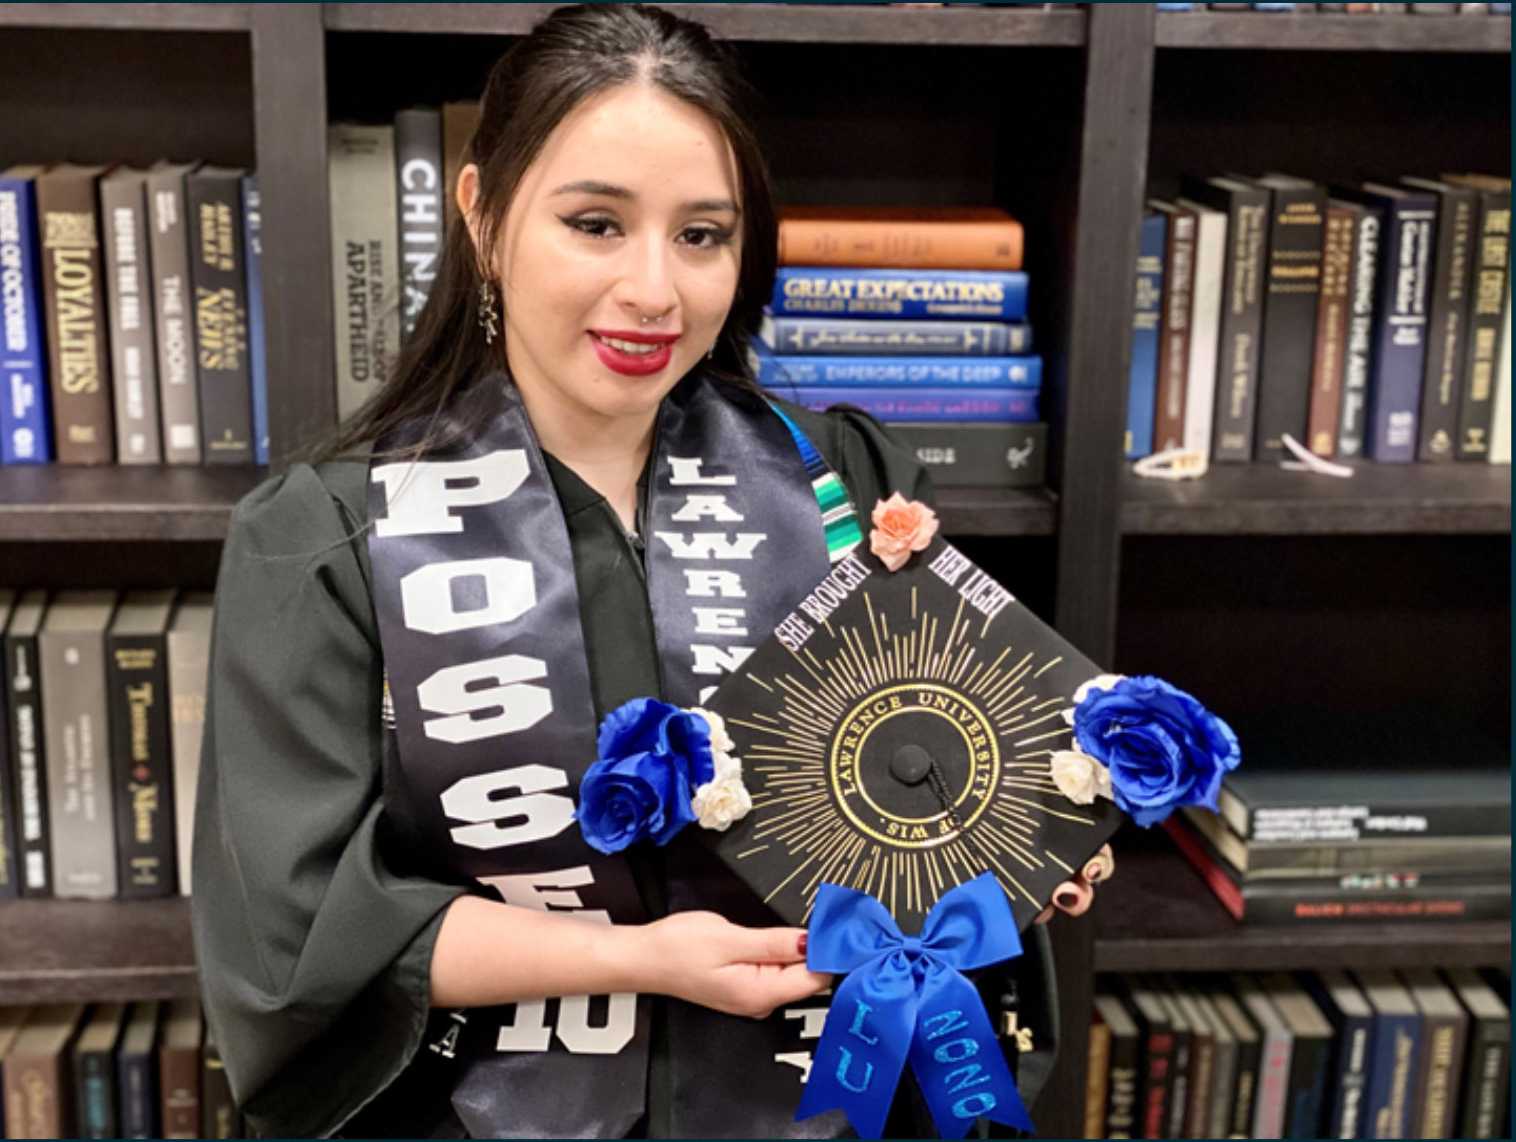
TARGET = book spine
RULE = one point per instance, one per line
(1394, 1062)
(1121, 1088)
(819, 336)
(169, 248)
(1442, 1053)
(1215, 877)
(24, 692)
(1269, 862)
(188, 669)
(1487, 1079)
(137, 672)
(1331, 332)
(179, 1079)
(218, 1113)
(1273, 1086)
(1241, 324)
(134, 366)
(1157, 1075)
(954, 245)
(76, 327)
(257, 348)
(1360, 350)
(1249, 1067)
(906, 372)
(365, 275)
(1223, 1090)
(26, 434)
(80, 813)
(418, 191)
(902, 294)
(95, 1091)
(1096, 1076)
(10, 869)
(1142, 381)
(218, 272)
(1205, 329)
(138, 1087)
(1400, 341)
(1174, 331)
(973, 405)
(1289, 322)
(1202, 1063)
(978, 455)
(1331, 824)
(1500, 401)
(1309, 1059)
(1351, 1076)
(36, 1097)
(1491, 259)
(1442, 383)
(1179, 1085)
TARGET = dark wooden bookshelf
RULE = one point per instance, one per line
(1378, 499)
(997, 511)
(139, 17)
(54, 951)
(54, 502)
(1332, 32)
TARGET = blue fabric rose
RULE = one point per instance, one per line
(1162, 747)
(652, 757)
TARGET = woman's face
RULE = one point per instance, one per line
(619, 256)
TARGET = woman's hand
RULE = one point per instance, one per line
(706, 959)
(1074, 897)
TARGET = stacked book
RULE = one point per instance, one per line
(919, 317)
(1364, 322)
(1332, 1054)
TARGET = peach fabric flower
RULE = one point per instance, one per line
(901, 526)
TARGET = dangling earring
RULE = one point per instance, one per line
(487, 312)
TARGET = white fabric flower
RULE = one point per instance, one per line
(1079, 776)
(720, 802)
(721, 741)
(1099, 682)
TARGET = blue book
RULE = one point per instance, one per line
(1176, 7)
(1500, 9)
(1142, 393)
(900, 372)
(257, 354)
(1393, 1056)
(1353, 1019)
(1016, 406)
(853, 337)
(841, 291)
(1274, 7)
(26, 431)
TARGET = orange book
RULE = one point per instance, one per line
(904, 237)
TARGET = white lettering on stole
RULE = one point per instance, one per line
(702, 584)
(687, 474)
(428, 603)
(812, 1020)
(535, 815)
(720, 620)
(495, 689)
(711, 544)
(420, 495)
(697, 508)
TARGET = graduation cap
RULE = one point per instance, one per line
(896, 735)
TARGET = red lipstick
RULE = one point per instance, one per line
(633, 364)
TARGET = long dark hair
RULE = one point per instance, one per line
(575, 53)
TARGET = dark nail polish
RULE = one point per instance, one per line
(1066, 899)
(804, 939)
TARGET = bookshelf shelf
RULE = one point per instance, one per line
(1158, 915)
(55, 502)
(55, 951)
(134, 17)
(1269, 31)
(1385, 499)
(997, 511)
(778, 23)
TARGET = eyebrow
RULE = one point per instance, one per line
(612, 190)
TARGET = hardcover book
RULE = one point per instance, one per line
(1121, 1085)
(189, 655)
(776, 372)
(23, 692)
(257, 349)
(1174, 326)
(906, 237)
(218, 1112)
(1271, 1103)
(1157, 1078)
(1310, 1052)
(365, 271)
(927, 403)
(1368, 233)
(1096, 1076)
(1202, 1063)
(1487, 1075)
(1205, 327)
(1249, 1061)
(1444, 1034)
(38, 1102)
(129, 307)
(857, 337)
(10, 874)
(1142, 381)
(1397, 1046)
(68, 219)
(1487, 299)
(1184, 1049)
(1500, 401)
(1353, 1022)
(1224, 1058)
(419, 194)
(94, 1072)
(978, 455)
(173, 311)
(218, 272)
(179, 1069)
(827, 291)
(1331, 331)
(137, 1071)
(26, 431)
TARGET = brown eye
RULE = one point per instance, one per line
(594, 225)
(705, 237)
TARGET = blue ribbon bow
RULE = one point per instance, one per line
(905, 996)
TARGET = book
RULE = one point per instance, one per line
(1096, 1075)
(71, 657)
(23, 693)
(1487, 1072)
(137, 1071)
(858, 337)
(1205, 327)
(1174, 325)
(1157, 1037)
(419, 195)
(1325, 410)
(1352, 1019)
(776, 372)
(26, 431)
(179, 1069)
(458, 123)
(1396, 1039)
(129, 311)
(218, 1111)
(1487, 303)
(137, 684)
(899, 294)
(1500, 400)
(68, 221)
(1368, 231)
(257, 346)
(1142, 379)
(1448, 318)
(921, 404)
(1292, 293)
(365, 273)
(94, 1072)
(905, 237)
(1444, 1034)
(1183, 1059)
(1242, 290)
(1122, 1079)
(10, 876)
(189, 656)
(1270, 1104)
(1224, 1050)
(1202, 1064)
(37, 1099)
(978, 455)
(173, 311)
(1249, 1061)
(1310, 1053)
(218, 275)
(12, 1019)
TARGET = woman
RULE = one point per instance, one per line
(397, 921)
